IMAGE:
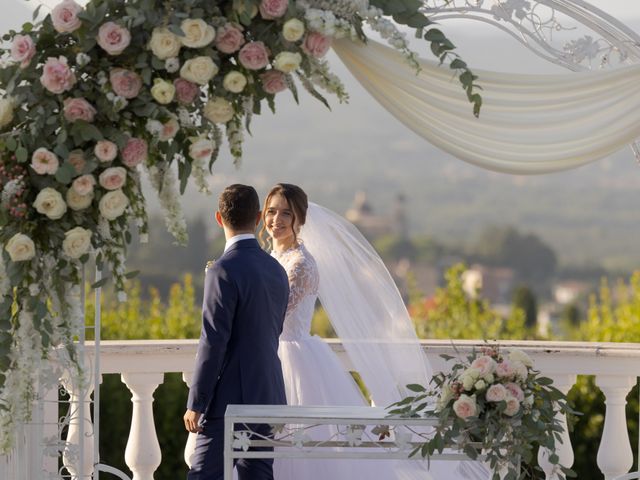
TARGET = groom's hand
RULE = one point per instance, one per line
(191, 419)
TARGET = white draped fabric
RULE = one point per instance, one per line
(529, 124)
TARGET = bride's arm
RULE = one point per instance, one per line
(303, 281)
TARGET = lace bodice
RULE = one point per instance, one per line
(303, 290)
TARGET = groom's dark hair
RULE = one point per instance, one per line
(239, 206)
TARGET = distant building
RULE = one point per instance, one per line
(374, 225)
(494, 284)
(568, 291)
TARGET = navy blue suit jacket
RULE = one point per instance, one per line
(245, 299)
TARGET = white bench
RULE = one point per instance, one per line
(301, 432)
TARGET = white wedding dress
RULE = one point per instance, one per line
(313, 374)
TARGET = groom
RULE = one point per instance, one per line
(245, 299)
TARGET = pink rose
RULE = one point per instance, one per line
(113, 38)
(77, 160)
(465, 407)
(134, 152)
(484, 364)
(113, 178)
(125, 83)
(273, 81)
(83, 185)
(186, 91)
(105, 151)
(23, 49)
(57, 77)
(229, 39)
(64, 16)
(504, 369)
(515, 391)
(169, 129)
(316, 44)
(496, 393)
(254, 56)
(513, 406)
(270, 9)
(44, 162)
(78, 109)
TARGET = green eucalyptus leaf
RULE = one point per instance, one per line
(21, 154)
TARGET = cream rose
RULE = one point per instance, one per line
(44, 162)
(164, 44)
(49, 202)
(6, 112)
(77, 242)
(293, 30)
(199, 70)
(76, 202)
(287, 62)
(113, 178)
(218, 110)
(234, 81)
(513, 406)
(20, 248)
(519, 356)
(197, 33)
(163, 91)
(113, 204)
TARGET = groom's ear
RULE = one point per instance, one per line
(258, 218)
(219, 218)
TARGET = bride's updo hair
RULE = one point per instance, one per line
(297, 200)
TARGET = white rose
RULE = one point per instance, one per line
(197, 33)
(113, 204)
(287, 62)
(172, 65)
(521, 370)
(49, 202)
(218, 110)
(519, 356)
(480, 385)
(199, 70)
(164, 44)
(445, 397)
(234, 82)
(76, 242)
(293, 30)
(76, 202)
(20, 248)
(201, 149)
(6, 112)
(163, 91)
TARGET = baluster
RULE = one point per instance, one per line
(190, 447)
(79, 425)
(564, 450)
(614, 455)
(142, 454)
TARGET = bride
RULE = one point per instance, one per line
(325, 256)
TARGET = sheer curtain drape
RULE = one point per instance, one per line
(529, 124)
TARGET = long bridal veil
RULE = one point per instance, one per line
(368, 314)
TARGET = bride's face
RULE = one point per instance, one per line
(278, 219)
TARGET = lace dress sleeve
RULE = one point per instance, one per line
(303, 280)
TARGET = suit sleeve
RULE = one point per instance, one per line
(218, 311)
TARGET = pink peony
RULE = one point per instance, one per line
(125, 83)
(515, 391)
(254, 56)
(186, 91)
(64, 16)
(229, 39)
(113, 178)
(83, 185)
(78, 109)
(496, 393)
(169, 129)
(134, 152)
(270, 9)
(484, 364)
(23, 49)
(273, 81)
(113, 38)
(57, 77)
(513, 406)
(77, 160)
(44, 162)
(316, 44)
(105, 151)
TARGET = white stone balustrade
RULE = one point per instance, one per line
(616, 367)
